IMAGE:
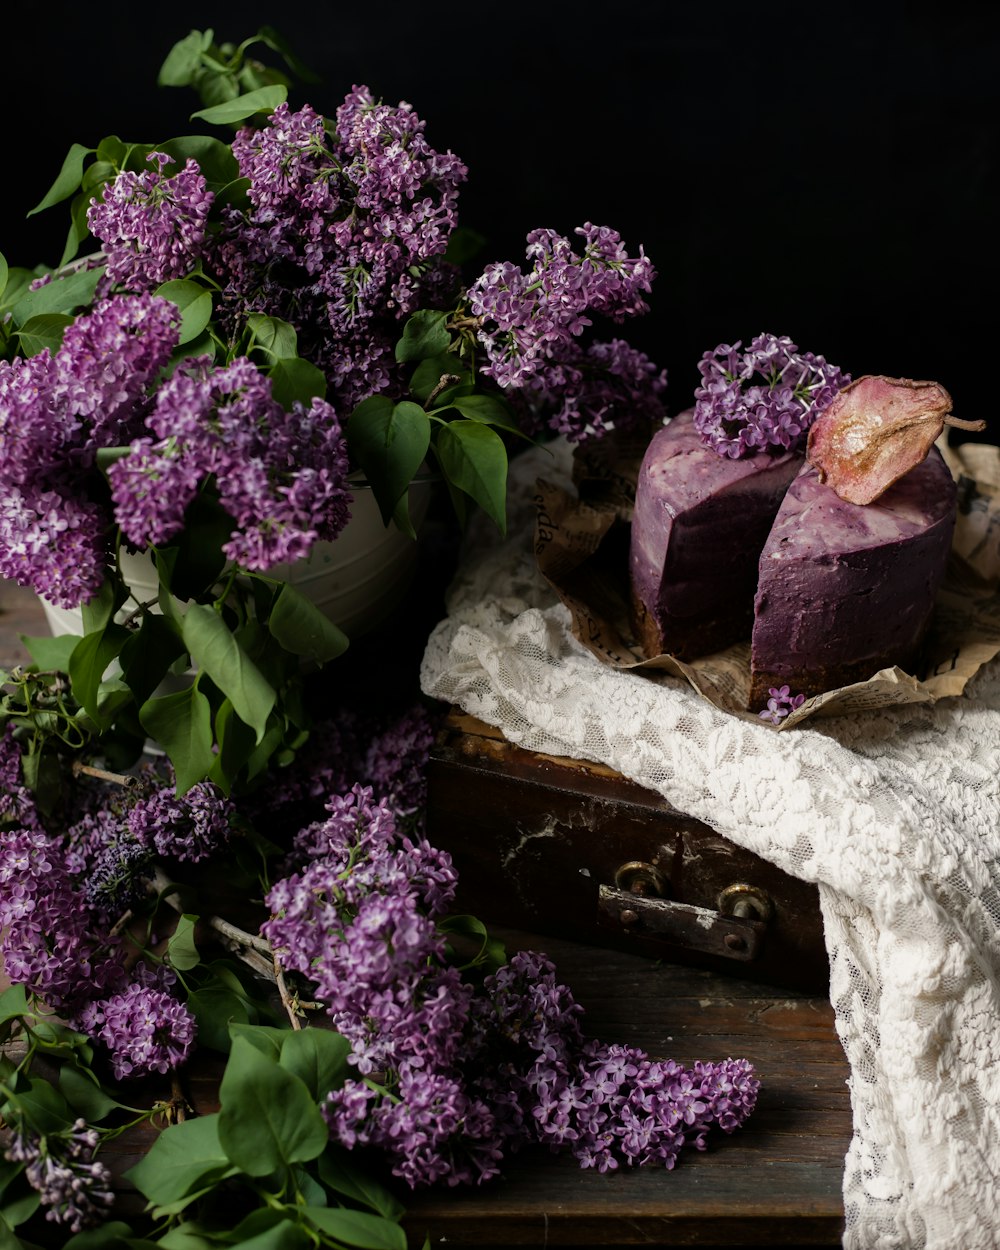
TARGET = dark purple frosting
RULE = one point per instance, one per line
(840, 583)
(700, 521)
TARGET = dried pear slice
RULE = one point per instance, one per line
(876, 430)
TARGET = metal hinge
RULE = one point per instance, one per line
(734, 930)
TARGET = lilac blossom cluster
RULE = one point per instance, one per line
(75, 1190)
(190, 828)
(607, 1104)
(50, 943)
(387, 753)
(281, 476)
(152, 225)
(59, 897)
(780, 703)
(763, 399)
(452, 1077)
(145, 1030)
(56, 412)
(531, 326)
(17, 803)
(344, 233)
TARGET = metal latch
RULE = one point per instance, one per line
(735, 930)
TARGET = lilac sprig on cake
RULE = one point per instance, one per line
(764, 398)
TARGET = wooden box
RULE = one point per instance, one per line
(576, 850)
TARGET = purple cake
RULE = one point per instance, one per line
(845, 590)
(699, 524)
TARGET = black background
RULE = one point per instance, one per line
(828, 172)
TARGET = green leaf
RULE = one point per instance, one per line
(263, 100)
(489, 409)
(491, 952)
(181, 724)
(283, 1236)
(41, 1107)
(216, 1010)
(425, 334)
(182, 952)
(18, 281)
(61, 295)
(13, 1003)
(357, 1228)
(20, 1209)
(464, 243)
(67, 180)
(88, 664)
(218, 165)
(52, 653)
(96, 176)
(112, 150)
(268, 35)
(389, 442)
(148, 654)
(428, 374)
(194, 303)
(4, 273)
(262, 1037)
(300, 627)
(183, 59)
(184, 1157)
(217, 653)
(339, 1172)
(192, 562)
(268, 1118)
(473, 458)
(78, 228)
(186, 1236)
(98, 611)
(115, 1235)
(273, 336)
(84, 1094)
(294, 380)
(236, 744)
(45, 330)
(318, 1057)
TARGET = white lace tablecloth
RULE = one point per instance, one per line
(895, 814)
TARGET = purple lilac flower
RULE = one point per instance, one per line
(145, 1030)
(116, 881)
(764, 398)
(190, 828)
(345, 233)
(614, 386)
(49, 942)
(53, 543)
(531, 328)
(452, 1076)
(17, 803)
(74, 1189)
(152, 226)
(781, 702)
(108, 361)
(55, 413)
(281, 476)
(390, 756)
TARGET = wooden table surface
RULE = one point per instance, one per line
(775, 1182)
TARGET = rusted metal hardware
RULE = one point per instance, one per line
(637, 902)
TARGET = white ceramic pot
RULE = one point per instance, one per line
(355, 581)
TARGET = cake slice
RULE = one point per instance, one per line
(846, 589)
(699, 524)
